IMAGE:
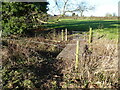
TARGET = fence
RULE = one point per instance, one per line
(64, 37)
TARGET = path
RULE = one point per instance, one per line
(69, 51)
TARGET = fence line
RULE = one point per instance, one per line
(60, 46)
(39, 42)
(56, 45)
(95, 55)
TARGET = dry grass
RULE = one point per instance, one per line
(98, 66)
(34, 65)
(30, 66)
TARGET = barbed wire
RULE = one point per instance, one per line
(44, 43)
(63, 46)
(55, 45)
(92, 56)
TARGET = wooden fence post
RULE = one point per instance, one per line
(66, 34)
(117, 43)
(54, 34)
(90, 35)
(0, 33)
(62, 35)
(77, 55)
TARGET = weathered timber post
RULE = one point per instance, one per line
(54, 34)
(66, 34)
(62, 35)
(77, 55)
(0, 33)
(90, 35)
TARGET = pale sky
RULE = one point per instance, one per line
(101, 7)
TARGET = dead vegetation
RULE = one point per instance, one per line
(28, 65)
(25, 67)
(98, 65)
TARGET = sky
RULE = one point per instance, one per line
(101, 7)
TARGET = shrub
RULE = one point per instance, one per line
(18, 17)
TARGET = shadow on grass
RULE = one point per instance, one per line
(83, 25)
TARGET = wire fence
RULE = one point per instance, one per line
(56, 43)
(77, 52)
(61, 46)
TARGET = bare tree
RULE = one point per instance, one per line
(108, 15)
(114, 15)
(82, 7)
(62, 6)
(65, 6)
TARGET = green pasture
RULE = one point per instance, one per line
(109, 28)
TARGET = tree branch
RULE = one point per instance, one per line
(48, 22)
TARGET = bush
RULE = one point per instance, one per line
(18, 17)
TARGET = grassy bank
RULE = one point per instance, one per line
(107, 27)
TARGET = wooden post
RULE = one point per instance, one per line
(77, 55)
(62, 35)
(117, 42)
(0, 33)
(90, 35)
(66, 34)
(54, 34)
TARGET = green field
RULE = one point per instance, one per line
(107, 27)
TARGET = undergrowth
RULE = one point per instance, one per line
(30, 68)
(28, 65)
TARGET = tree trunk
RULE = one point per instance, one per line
(81, 13)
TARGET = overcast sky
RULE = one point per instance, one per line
(101, 7)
